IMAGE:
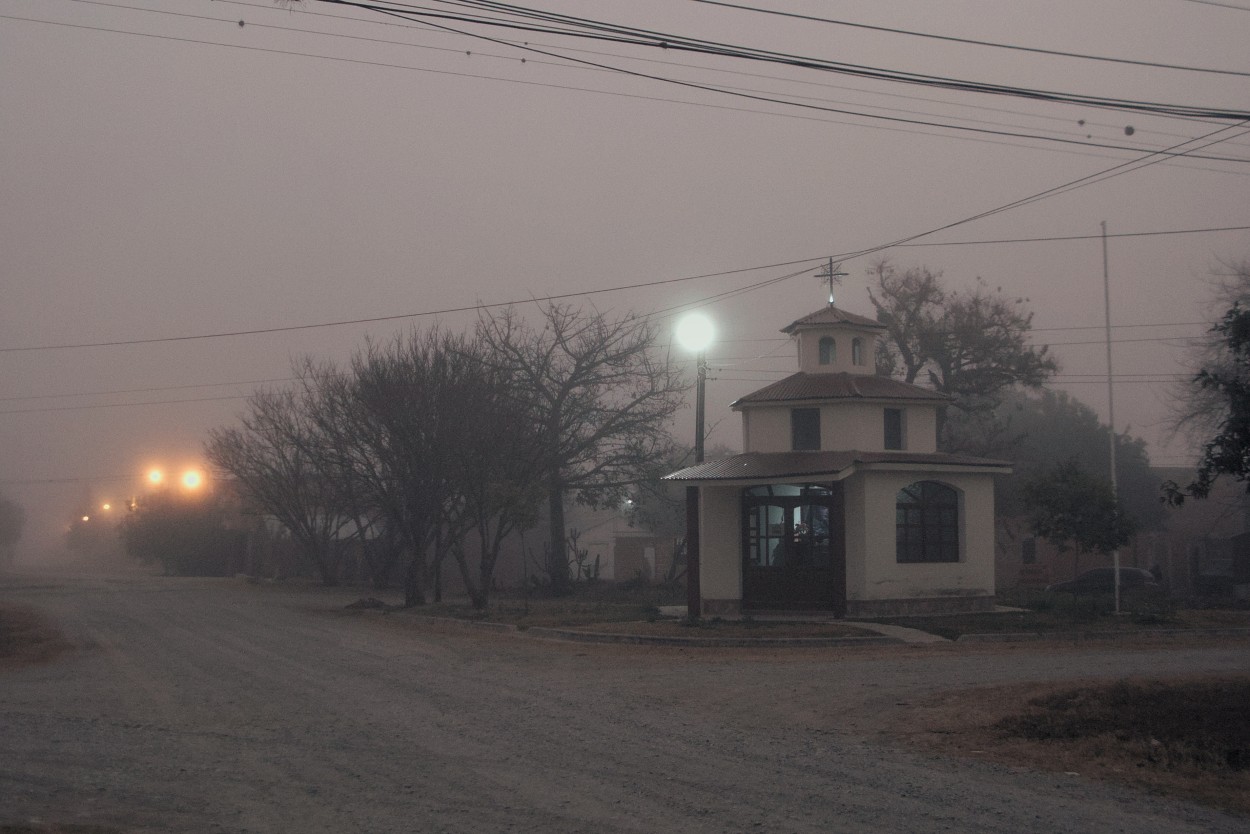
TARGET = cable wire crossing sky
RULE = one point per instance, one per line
(200, 193)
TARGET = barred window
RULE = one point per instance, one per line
(927, 523)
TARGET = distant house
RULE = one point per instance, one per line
(840, 501)
(1200, 549)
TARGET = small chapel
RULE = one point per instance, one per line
(840, 501)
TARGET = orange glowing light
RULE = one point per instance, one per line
(86, 518)
(107, 507)
(192, 479)
(155, 476)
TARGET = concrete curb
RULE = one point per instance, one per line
(1101, 636)
(484, 625)
(575, 636)
(570, 635)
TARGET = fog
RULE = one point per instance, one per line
(171, 175)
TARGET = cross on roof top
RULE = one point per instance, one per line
(831, 274)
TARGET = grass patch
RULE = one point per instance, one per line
(1197, 726)
(588, 604)
(1186, 738)
(28, 637)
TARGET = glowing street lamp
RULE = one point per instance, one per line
(695, 333)
(156, 477)
(192, 480)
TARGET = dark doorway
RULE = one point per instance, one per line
(794, 550)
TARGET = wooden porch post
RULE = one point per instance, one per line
(694, 597)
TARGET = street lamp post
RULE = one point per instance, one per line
(695, 333)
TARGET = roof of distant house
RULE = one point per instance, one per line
(838, 386)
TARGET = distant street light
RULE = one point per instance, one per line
(155, 477)
(86, 518)
(192, 479)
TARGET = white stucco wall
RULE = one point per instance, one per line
(720, 542)
(919, 428)
(808, 348)
(845, 425)
(870, 513)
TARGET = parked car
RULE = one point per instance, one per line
(1102, 581)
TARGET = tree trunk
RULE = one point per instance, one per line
(557, 555)
(414, 594)
(327, 565)
(438, 575)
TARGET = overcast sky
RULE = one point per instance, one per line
(169, 173)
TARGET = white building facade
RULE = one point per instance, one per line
(840, 501)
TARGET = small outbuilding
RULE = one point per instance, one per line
(840, 501)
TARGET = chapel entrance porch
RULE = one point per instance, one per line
(794, 548)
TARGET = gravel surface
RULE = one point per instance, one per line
(212, 705)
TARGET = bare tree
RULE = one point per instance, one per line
(273, 457)
(329, 396)
(498, 471)
(909, 304)
(401, 425)
(601, 398)
(972, 345)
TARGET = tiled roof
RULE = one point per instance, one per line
(840, 386)
(773, 465)
(832, 315)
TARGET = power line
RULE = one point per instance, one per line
(420, 314)
(1081, 237)
(119, 405)
(562, 64)
(659, 40)
(593, 29)
(971, 41)
(397, 316)
(1221, 5)
(1130, 166)
(937, 125)
(146, 390)
(423, 29)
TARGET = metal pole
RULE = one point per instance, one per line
(699, 419)
(694, 594)
(1106, 296)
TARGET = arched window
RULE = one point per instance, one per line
(857, 351)
(828, 350)
(927, 523)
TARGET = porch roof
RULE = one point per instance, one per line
(772, 466)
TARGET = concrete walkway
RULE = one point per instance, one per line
(906, 635)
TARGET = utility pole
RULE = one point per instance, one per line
(1115, 493)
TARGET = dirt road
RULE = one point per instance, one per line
(211, 705)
